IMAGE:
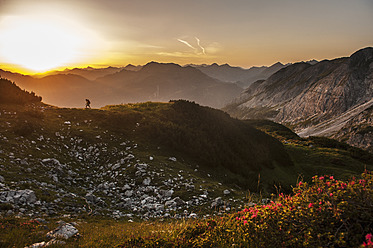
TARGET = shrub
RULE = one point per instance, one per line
(324, 213)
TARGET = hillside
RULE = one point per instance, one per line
(148, 160)
(10, 93)
(311, 97)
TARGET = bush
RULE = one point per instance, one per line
(324, 213)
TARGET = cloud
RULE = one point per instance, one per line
(186, 43)
(198, 43)
(200, 50)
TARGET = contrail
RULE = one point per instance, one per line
(186, 43)
(203, 49)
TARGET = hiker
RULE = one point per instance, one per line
(87, 103)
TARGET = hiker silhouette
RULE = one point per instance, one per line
(87, 103)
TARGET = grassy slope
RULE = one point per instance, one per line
(231, 150)
(137, 123)
(312, 156)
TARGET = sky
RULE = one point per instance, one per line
(41, 35)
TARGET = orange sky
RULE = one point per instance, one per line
(42, 35)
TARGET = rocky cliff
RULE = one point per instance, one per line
(315, 99)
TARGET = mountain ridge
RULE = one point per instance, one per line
(303, 95)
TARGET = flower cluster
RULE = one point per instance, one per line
(369, 242)
(325, 212)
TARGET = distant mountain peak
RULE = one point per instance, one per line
(277, 64)
(159, 66)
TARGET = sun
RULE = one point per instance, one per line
(40, 45)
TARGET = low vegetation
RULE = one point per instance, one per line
(326, 212)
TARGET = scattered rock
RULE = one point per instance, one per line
(218, 202)
(26, 196)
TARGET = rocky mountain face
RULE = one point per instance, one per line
(316, 99)
(238, 75)
(358, 130)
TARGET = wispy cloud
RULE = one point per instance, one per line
(199, 50)
(198, 43)
(186, 43)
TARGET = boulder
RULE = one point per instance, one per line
(64, 231)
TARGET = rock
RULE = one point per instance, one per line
(179, 202)
(91, 198)
(146, 181)
(172, 159)
(55, 242)
(51, 162)
(128, 193)
(126, 186)
(189, 186)
(26, 196)
(193, 215)
(218, 202)
(116, 166)
(141, 167)
(2, 180)
(65, 231)
(226, 192)
(170, 203)
(36, 245)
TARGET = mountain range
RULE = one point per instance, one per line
(151, 82)
(240, 76)
(211, 85)
(322, 99)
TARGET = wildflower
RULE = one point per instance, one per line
(321, 178)
(245, 222)
(331, 194)
(310, 205)
(331, 178)
(369, 236)
(300, 183)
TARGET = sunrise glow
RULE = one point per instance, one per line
(41, 43)
(38, 36)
